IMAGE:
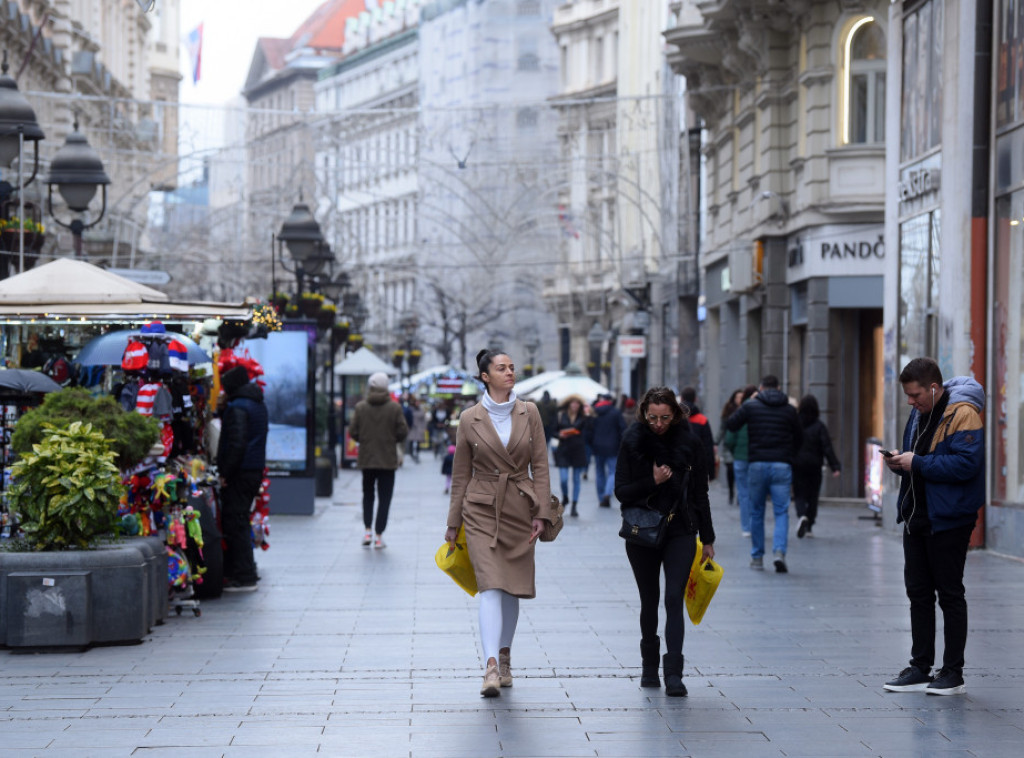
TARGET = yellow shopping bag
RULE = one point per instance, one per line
(455, 562)
(701, 585)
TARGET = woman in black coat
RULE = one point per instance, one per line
(815, 448)
(571, 453)
(661, 466)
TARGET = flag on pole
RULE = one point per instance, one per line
(194, 43)
(568, 224)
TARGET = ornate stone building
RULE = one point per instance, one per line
(792, 97)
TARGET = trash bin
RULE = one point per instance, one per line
(324, 477)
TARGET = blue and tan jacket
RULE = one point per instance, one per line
(954, 467)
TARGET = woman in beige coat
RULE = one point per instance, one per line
(502, 493)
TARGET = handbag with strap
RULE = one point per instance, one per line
(645, 526)
(553, 527)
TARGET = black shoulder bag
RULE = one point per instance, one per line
(645, 526)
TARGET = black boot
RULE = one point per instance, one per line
(573, 511)
(650, 654)
(673, 665)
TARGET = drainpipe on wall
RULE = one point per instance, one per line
(980, 177)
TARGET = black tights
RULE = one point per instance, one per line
(385, 479)
(676, 554)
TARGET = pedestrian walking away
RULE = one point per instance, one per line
(701, 427)
(571, 453)
(774, 437)
(501, 494)
(378, 425)
(604, 434)
(738, 442)
(725, 452)
(661, 466)
(241, 459)
(941, 465)
(815, 449)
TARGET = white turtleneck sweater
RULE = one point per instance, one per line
(501, 415)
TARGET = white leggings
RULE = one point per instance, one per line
(499, 613)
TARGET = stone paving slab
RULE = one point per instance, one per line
(345, 651)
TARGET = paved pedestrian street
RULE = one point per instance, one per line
(346, 651)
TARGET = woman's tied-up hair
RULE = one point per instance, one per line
(484, 359)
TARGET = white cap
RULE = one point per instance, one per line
(379, 380)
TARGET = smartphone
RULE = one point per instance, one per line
(887, 453)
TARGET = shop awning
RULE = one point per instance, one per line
(363, 362)
(67, 289)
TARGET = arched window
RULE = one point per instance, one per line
(529, 62)
(865, 84)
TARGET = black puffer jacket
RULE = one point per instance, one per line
(816, 447)
(680, 449)
(773, 428)
(243, 433)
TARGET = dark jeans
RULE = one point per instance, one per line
(806, 489)
(385, 479)
(934, 565)
(235, 522)
(676, 555)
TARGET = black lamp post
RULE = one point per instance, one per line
(335, 290)
(532, 345)
(17, 124)
(407, 325)
(595, 340)
(77, 171)
(300, 233)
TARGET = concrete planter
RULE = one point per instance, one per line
(78, 598)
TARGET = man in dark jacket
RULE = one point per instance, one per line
(942, 487)
(701, 427)
(241, 459)
(774, 437)
(604, 435)
(378, 425)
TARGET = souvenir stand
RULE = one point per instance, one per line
(69, 302)
(355, 371)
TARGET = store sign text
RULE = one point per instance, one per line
(918, 182)
(840, 250)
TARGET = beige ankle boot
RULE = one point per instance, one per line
(505, 667)
(492, 682)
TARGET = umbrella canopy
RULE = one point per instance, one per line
(525, 386)
(107, 349)
(565, 385)
(23, 380)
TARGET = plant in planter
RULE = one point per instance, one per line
(310, 304)
(131, 435)
(67, 488)
(326, 315)
(279, 300)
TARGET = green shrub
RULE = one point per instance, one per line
(66, 489)
(130, 434)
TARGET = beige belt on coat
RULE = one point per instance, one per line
(502, 479)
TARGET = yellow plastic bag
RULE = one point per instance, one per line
(455, 563)
(701, 585)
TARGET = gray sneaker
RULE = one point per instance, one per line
(780, 563)
(757, 564)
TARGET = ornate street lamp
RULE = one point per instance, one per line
(17, 124)
(595, 340)
(300, 233)
(77, 172)
(532, 345)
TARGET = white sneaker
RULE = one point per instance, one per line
(368, 538)
(378, 543)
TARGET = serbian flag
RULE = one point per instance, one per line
(194, 43)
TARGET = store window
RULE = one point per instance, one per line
(866, 84)
(1008, 352)
(922, 80)
(919, 287)
(1010, 73)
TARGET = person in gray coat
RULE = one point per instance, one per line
(378, 425)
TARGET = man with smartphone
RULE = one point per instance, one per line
(942, 487)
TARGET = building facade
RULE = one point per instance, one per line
(117, 67)
(367, 113)
(619, 264)
(793, 103)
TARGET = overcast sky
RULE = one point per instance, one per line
(230, 31)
